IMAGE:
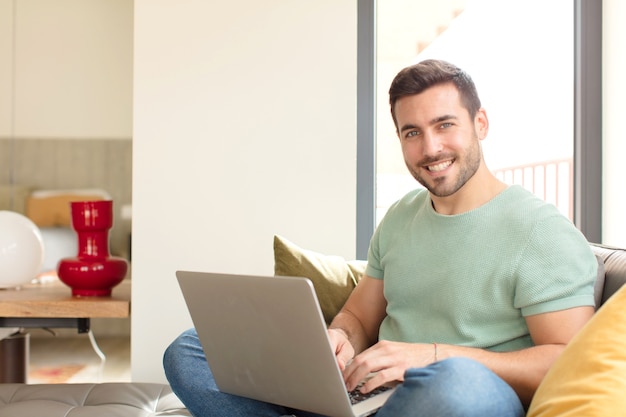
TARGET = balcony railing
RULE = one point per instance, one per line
(551, 181)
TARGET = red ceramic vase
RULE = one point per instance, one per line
(93, 272)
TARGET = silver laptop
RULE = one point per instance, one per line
(265, 338)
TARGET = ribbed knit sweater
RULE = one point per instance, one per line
(469, 279)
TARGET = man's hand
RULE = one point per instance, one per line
(344, 352)
(386, 362)
(355, 327)
(522, 369)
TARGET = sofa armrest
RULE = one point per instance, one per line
(614, 266)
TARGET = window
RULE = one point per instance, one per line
(524, 78)
(524, 73)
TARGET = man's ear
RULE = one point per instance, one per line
(481, 123)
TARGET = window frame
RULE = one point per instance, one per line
(587, 121)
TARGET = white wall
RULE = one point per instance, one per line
(614, 103)
(6, 65)
(66, 68)
(244, 127)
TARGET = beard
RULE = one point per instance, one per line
(444, 186)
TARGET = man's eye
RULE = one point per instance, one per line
(412, 133)
(446, 125)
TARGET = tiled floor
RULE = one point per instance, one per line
(47, 351)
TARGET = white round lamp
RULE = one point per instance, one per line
(21, 250)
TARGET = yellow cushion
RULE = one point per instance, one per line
(332, 276)
(589, 378)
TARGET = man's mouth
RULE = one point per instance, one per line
(440, 166)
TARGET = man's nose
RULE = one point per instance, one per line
(432, 144)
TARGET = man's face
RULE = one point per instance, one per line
(440, 142)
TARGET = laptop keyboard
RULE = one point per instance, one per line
(357, 396)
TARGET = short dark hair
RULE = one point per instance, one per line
(425, 74)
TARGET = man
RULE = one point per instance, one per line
(472, 288)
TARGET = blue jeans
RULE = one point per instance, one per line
(453, 387)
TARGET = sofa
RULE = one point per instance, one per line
(588, 379)
(90, 400)
(334, 278)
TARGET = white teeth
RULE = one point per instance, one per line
(439, 167)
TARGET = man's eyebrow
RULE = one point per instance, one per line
(408, 126)
(443, 118)
(434, 121)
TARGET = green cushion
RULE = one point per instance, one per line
(333, 277)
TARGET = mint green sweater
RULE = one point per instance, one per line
(470, 279)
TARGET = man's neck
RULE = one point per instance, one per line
(481, 188)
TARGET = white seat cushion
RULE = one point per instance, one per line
(90, 400)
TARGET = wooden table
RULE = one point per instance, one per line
(51, 305)
(54, 300)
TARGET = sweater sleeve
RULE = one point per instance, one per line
(557, 269)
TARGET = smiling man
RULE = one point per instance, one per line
(440, 140)
(472, 287)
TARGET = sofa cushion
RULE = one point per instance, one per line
(598, 287)
(333, 277)
(614, 260)
(589, 378)
(89, 400)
